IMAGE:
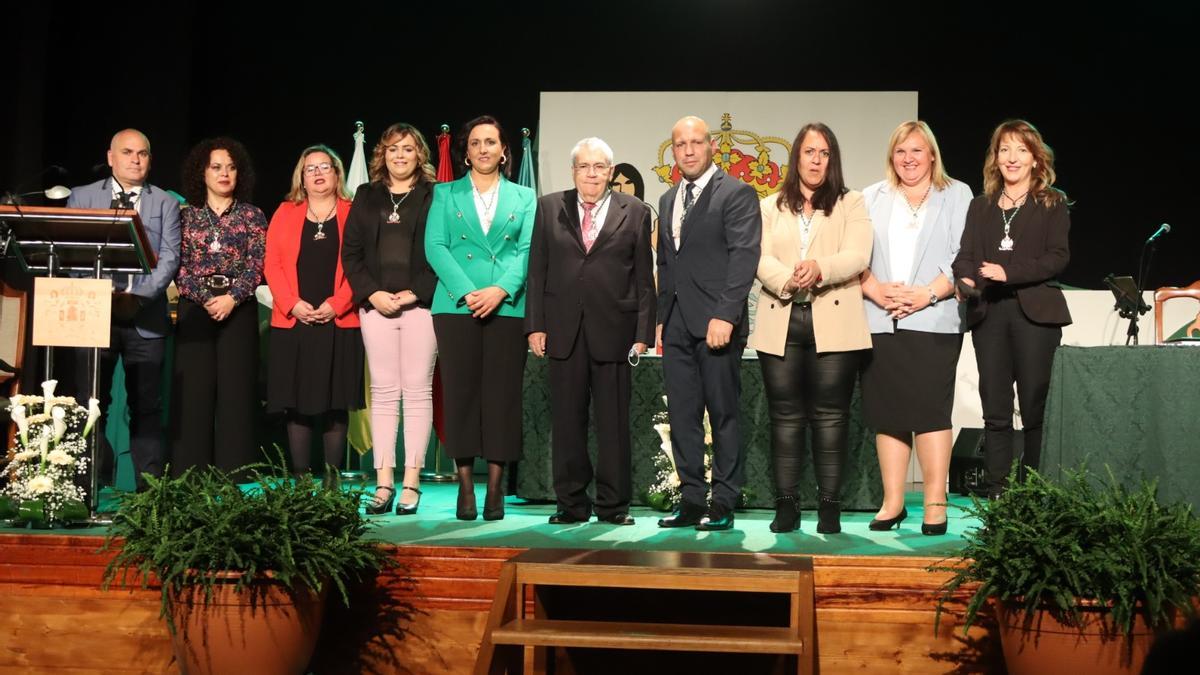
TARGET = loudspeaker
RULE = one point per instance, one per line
(968, 472)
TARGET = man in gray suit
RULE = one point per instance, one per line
(139, 302)
(708, 253)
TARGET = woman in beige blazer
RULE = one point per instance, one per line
(811, 325)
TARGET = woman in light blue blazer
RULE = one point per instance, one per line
(477, 241)
(916, 328)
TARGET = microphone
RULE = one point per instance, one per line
(1163, 229)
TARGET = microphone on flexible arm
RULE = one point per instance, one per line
(1165, 228)
(1131, 336)
(122, 196)
(103, 169)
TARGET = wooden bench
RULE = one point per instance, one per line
(509, 630)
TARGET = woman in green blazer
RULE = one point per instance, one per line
(477, 241)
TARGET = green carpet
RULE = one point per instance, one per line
(525, 526)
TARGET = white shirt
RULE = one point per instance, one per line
(902, 238)
(677, 211)
(485, 205)
(599, 212)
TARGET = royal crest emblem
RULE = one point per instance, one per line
(744, 155)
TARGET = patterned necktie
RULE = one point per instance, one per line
(689, 198)
(589, 232)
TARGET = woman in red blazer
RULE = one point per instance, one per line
(315, 362)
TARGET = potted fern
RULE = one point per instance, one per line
(1081, 572)
(244, 573)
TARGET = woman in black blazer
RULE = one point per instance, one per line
(1013, 248)
(392, 283)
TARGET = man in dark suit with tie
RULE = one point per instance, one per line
(708, 253)
(139, 302)
(589, 307)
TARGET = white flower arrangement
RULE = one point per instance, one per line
(663, 494)
(51, 451)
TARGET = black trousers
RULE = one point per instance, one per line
(483, 369)
(142, 359)
(1010, 348)
(573, 381)
(697, 378)
(807, 390)
(215, 396)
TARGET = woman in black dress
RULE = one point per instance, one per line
(315, 367)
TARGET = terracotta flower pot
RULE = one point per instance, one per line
(1047, 645)
(266, 629)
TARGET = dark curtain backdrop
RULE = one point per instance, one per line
(1107, 89)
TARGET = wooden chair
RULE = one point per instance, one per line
(1166, 293)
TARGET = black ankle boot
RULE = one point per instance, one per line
(829, 516)
(787, 515)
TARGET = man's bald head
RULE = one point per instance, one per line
(129, 157)
(691, 122)
(692, 146)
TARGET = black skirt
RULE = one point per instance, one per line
(483, 366)
(315, 369)
(908, 382)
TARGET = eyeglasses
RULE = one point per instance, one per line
(600, 167)
(314, 169)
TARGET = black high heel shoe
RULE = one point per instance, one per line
(787, 515)
(403, 509)
(933, 529)
(493, 505)
(881, 524)
(377, 507)
(466, 502)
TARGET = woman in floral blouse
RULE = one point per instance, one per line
(215, 393)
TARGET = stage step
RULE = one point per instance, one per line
(670, 637)
(539, 572)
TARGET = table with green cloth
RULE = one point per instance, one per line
(861, 487)
(1133, 409)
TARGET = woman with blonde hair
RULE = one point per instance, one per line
(315, 364)
(392, 284)
(916, 332)
(1014, 246)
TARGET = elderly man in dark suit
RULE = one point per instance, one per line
(708, 254)
(139, 302)
(590, 308)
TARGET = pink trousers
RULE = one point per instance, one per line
(401, 352)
